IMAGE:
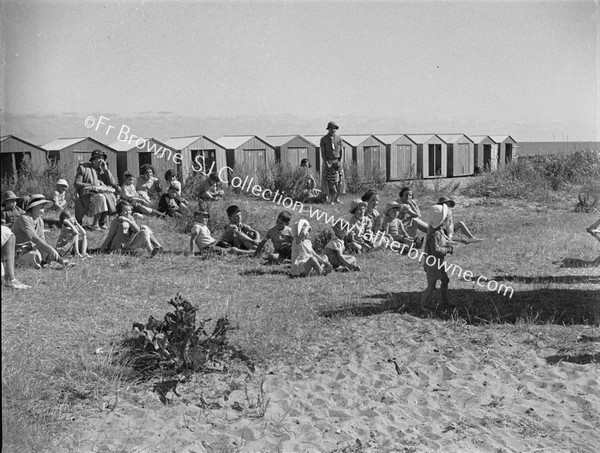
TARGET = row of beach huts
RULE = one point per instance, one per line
(397, 156)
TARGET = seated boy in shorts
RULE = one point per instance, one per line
(237, 234)
(281, 237)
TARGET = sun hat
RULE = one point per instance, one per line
(37, 200)
(332, 125)
(355, 204)
(8, 196)
(299, 226)
(62, 182)
(437, 215)
(97, 153)
(446, 200)
(391, 205)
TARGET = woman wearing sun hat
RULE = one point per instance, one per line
(10, 210)
(449, 226)
(31, 246)
(436, 245)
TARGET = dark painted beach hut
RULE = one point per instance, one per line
(482, 152)
(460, 160)
(199, 154)
(401, 156)
(249, 153)
(291, 149)
(131, 157)
(506, 148)
(14, 151)
(432, 155)
(368, 153)
(74, 151)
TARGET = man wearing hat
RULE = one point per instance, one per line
(96, 187)
(449, 226)
(59, 198)
(332, 150)
(10, 210)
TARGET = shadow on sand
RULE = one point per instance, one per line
(556, 306)
(564, 279)
(577, 263)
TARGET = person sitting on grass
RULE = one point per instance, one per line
(594, 230)
(171, 178)
(72, 239)
(305, 260)
(138, 200)
(10, 210)
(59, 197)
(203, 239)
(208, 189)
(335, 251)
(281, 237)
(310, 190)
(372, 199)
(125, 235)
(393, 228)
(237, 234)
(148, 185)
(436, 245)
(449, 226)
(172, 204)
(31, 247)
(8, 261)
(358, 226)
(410, 214)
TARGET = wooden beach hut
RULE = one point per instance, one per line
(368, 153)
(482, 152)
(199, 154)
(249, 153)
(131, 157)
(401, 156)
(432, 155)
(460, 155)
(78, 150)
(14, 151)
(291, 149)
(506, 148)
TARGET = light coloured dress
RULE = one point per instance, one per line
(301, 252)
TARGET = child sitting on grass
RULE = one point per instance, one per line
(10, 210)
(436, 245)
(393, 228)
(172, 204)
(59, 198)
(281, 237)
(202, 237)
(359, 224)
(450, 227)
(334, 251)
(171, 178)
(237, 234)
(138, 200)
(125, 235)
(304, 259)
(72, 239)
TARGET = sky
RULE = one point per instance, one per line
(164, 69)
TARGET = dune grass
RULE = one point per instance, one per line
(60, 340)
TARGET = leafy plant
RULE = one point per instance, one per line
(180, 343)
(358, 182)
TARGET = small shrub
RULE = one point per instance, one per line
(357, 182)
(29, 180)
(321, 240)
(287, 180)
(176, 345)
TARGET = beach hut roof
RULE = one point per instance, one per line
(179, 143)
(126, 146)
(453, 138)
(501, 138)
(314, 139)
(6, 137)
(280, 140)
(235, 141)
(62, 143)
(420, 138)
(355, 140)
(479, 138)
(388, 139)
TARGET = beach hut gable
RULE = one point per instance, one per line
(291, 149)
(14, 151)
(401, 156)
(199, 155)
(250, 152)
(78, 150)
(460, 161)
(152, 151)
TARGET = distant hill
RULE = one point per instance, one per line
(542, 148)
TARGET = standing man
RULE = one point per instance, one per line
(332, 150)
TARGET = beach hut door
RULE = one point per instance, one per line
(494, 158)
(435, 160)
